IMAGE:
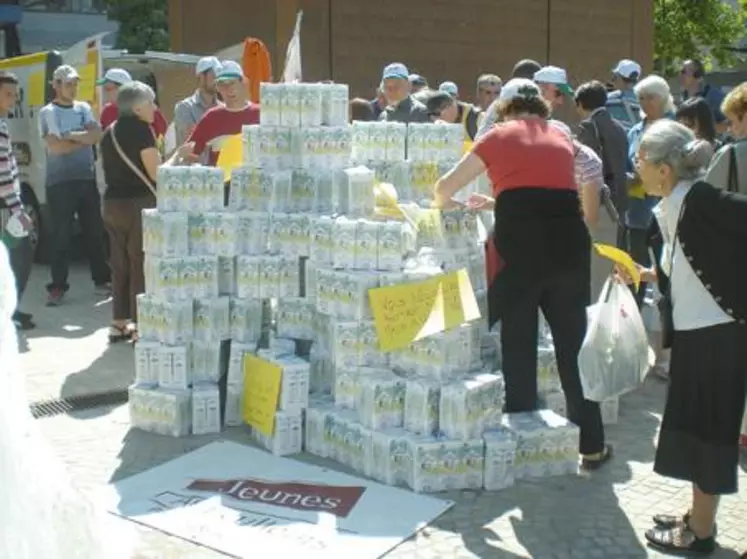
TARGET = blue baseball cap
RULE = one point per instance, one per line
(395, 71)
(229, 70)
(450, 88)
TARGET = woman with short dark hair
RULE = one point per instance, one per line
(361, 109)
(538, 253)
(697, 116)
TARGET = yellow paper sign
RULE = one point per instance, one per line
(621, 258)
(36, 90)
(412, 311)
(231, 155)
(261, 392)
(87, 83)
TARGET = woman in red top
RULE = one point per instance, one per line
(538, 253)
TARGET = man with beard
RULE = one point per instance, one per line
(189, 111)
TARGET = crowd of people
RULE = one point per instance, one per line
(639, 170)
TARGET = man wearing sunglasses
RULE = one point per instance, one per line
(693, 83)
(488, 89)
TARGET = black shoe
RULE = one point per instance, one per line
(593, 464)
(670, 521)
(680, 540)
(23, 320)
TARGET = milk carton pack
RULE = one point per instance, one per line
(361, 141)
(500, 455)
(369, 353)
(271, 98)
(146, 363)
(335, 99)
(165, 277)
(361, 196)
(174, 367)
(396, 140)
(380, 401)
(394, 240)
(295, 318)
(422, 399)
(287, 437)
(366, 245)
(303, 190)
(352, 292)
(212, 319)
(205, 409)
(548, 378)
(294, 386)
(290, 111)
(547, 444)
(440, 464)
(344, 344)
(346, 387)
(321, 243)
(235, 376)
(344, 243)
(168, 322)
(321, 371)
(227, 275)
(310, 104)
(299, 235)
(416, 132)
(423, 175)
(470, 406)
(165, 234)
(348, 441)
(253, 229)
(161, 411)
(250, 144)
(248, 276)
(172, 188)
(205, 362)
(234, 404)
(324, 191)
(327, 288)
(246, 316)
(315, 420)
(391, 462)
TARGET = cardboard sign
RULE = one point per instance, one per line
(231, 155)
(36, 89)
(261, 393)
(621, 258)
(412, 311)
(87, 83)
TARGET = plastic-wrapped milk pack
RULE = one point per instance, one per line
(440, 464)
(182, 277)
(422, 400)
(380, 401)
(379, 141)
(391, 457)
(190, 189)
(547, 444)
(471, 406)
(287, 437)
(500, 457)
(165, 234)
(168, 322)
(162, 411)
(205, 409)
(434, 142)
(304, 104)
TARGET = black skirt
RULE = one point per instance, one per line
(699, 438)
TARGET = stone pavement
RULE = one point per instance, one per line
(569, 517)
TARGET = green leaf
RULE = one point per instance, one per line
(143, 24)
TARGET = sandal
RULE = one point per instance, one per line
(670, 521)
(680, 539)
(120, 333)
(591, 464)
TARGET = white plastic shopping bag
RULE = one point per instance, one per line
(615, 355)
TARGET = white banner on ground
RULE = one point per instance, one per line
(247, 503)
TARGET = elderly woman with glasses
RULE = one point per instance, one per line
(703, 229)
(130, 161)
(655, 99)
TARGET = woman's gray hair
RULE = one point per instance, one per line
(670, 143)
(656, 86)
(133, 94)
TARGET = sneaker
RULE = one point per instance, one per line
(23, 320)
(54, 299)
(103, 289)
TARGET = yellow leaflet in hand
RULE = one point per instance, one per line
(622, 259)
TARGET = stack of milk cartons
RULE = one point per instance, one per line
(183, 317)
(550, 390)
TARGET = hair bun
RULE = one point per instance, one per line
(697, 154)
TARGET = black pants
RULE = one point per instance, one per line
(65, 200)
(563, 300)
(21, 261)
(638, 249)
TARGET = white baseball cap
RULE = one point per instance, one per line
(207, 63)
(519, 87)
(450, 88)
(116, 76)
(555, 76)
(65, 73)
(229, 70)
(626, 68)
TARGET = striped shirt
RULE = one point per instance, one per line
(10, 186)
(588, 166)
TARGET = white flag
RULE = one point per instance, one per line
(292, 72)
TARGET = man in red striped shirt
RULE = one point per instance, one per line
(224, 121)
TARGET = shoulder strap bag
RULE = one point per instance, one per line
(128, 161)
(733, 180)
(666, 309)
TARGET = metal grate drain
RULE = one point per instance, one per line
(50, 408)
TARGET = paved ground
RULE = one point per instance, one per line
(602, 516)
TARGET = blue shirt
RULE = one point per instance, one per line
(714, 97)
(639, 213)
(59, 120)
(624, 107)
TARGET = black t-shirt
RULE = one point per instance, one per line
(133, 136)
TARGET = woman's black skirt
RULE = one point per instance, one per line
(699, 438)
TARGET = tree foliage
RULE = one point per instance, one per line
(706, 29)
(143, 24)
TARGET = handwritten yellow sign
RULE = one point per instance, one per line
(231, 155)
(36, 90)
(621, 258)
(261, 392)
(412, 311)
(87, 82)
